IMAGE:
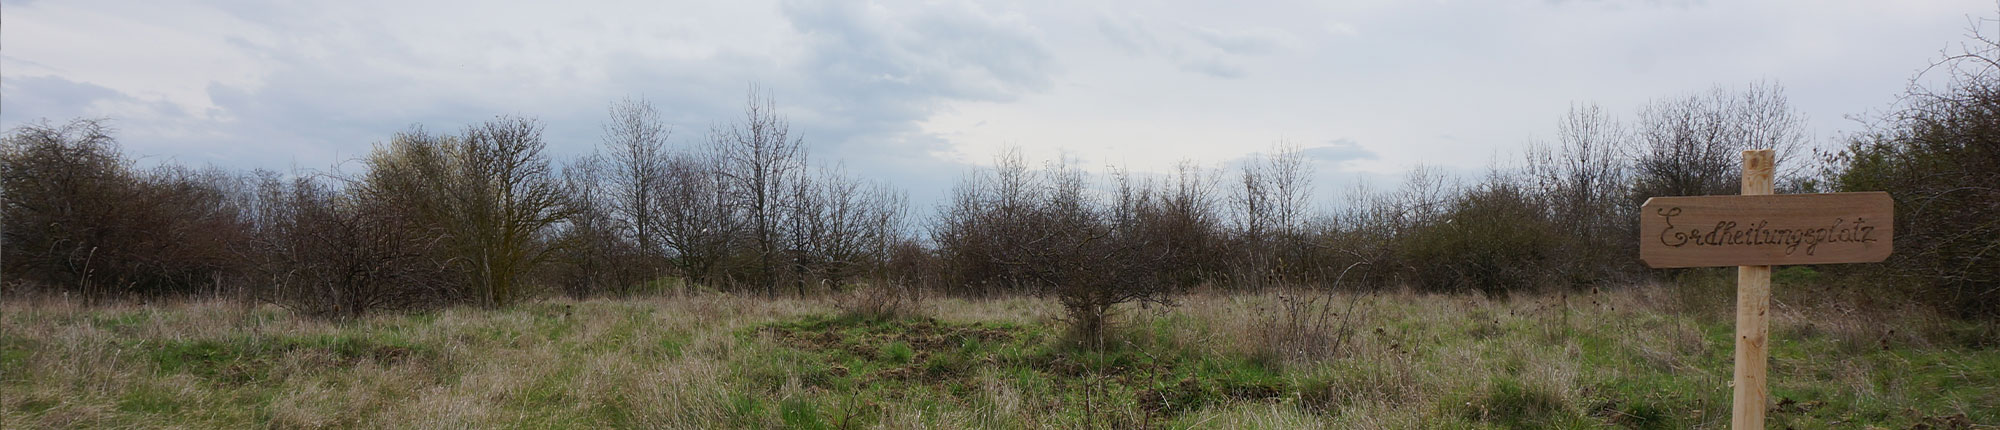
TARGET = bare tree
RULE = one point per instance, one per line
(1582, 181)
(805, 231)
(1581, 173)
(1291, 187)
(885, 210)
(698, 224)
(636, 138)
(1424, 197)
(839, 227)
(1271, 201)
(964, 234)
(1250, 199)
(759, 159)
(596, 258)
(1190, 223)
(1691, 145)
(521, 199)
(1291, 194)
(989, 214)
(1175, 217)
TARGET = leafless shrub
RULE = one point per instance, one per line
(878, 301)
(1938, 155)
(1042, 232)
(698, 224)
(1581, 181)
(837, 230)
(1493, 239)
(327, 251)
(594, 256)
(1309, 325)
(488, 196)
(1270, 200)
(987, 215)
(80, 217)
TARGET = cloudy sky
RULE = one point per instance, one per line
(915, 92)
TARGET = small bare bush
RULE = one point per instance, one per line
(878, 301)
(1306, 325)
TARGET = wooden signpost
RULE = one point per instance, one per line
(1755, 231)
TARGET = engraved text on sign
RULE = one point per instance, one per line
(1765, 230)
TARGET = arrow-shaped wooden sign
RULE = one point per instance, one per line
(1770, 230)
(1755, 231)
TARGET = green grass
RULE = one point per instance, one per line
(1642, 359)
(945, 364)
(244, 359)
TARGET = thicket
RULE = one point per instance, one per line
(1046, 232)
(481, 217)
(79, 216)
(485, 217)
(1937, 153)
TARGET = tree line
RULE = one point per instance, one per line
(483, 216)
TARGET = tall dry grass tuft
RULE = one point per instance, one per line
(878, 301)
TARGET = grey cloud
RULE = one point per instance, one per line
(57, 99)
(1338, 150)
(1241, 42)
(1214, 67)
(859, 78)
(1328, 154)
(869, 79)
(857, 92)
(1126, 34)
(943, 51)
(1200, 50)
(50, 97)
(314, 114)
(1230, 43)
(1330, 172)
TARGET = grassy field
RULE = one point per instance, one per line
(1647, 357)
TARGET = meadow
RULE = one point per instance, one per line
(1639, 357)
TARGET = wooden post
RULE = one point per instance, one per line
(1753, 308)
(1753, 232)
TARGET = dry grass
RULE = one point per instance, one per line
(1637, 357)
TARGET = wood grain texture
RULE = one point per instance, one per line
(1769, 230)
(1753, 309)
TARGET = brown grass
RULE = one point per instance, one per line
(1411, 361)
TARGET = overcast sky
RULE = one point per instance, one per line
(914, 92)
